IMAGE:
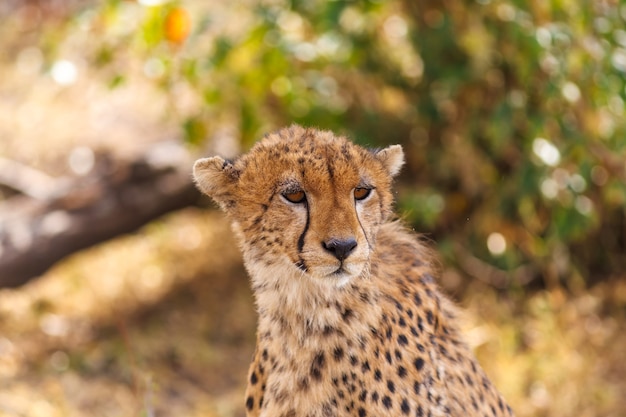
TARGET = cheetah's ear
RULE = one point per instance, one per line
(215, 177)
(392, 158)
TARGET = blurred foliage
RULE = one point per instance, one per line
(511, 113)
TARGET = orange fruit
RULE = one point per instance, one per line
(177, 25)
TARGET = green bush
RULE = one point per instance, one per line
(511, 113)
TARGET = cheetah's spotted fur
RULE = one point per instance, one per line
(351, 322)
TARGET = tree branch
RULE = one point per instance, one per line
(27, 180)
(117, 197)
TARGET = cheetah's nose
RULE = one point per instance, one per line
(340, 248)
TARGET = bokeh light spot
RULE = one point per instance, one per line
(546, 151)
(583, 205)
(599, 175)
(570, 92)
(281, 86)
(154, 68)
(496, 243)
(543, 36)
(618, 59)
(395, 27)
(549, 188)
(60, 361)
(151, 3)
(64, 72)
(81, 160)
(577, 183)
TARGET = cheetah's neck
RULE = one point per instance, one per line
(300, 308)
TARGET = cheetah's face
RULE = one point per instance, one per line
(305, 201)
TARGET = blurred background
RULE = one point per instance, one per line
(121, 289)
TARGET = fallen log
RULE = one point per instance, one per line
(116, 197)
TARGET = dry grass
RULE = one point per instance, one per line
(162, 323)
(555, 354)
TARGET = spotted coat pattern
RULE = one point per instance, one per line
(351, 321)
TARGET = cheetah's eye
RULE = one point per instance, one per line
(361, 193)
(295, 197)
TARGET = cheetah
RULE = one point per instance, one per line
(351, 321)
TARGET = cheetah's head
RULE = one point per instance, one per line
(305, 201)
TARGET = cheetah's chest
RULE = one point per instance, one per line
(362, 366)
